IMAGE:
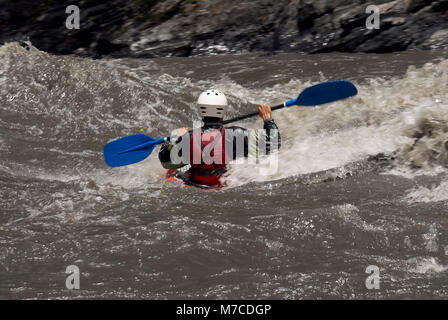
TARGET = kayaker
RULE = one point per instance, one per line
(213, 146)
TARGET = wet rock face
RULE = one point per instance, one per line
(188, 27)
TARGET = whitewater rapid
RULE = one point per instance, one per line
(359, 182)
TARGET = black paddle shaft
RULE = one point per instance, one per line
(253, 114)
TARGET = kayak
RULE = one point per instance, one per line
(181, 175)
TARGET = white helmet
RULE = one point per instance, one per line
(212, 103)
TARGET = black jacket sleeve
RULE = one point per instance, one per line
(252, 139)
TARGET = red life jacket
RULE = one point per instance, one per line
(208, 156)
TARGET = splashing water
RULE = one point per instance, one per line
(308, 231)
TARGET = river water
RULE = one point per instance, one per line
(361, 182)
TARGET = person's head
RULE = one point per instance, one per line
(212, 105)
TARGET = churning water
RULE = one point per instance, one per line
(360, 182)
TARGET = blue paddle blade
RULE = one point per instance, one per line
(325, 92)
(129, 150)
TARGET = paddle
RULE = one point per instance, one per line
(129, 150)
(135, 148)
(318, 94)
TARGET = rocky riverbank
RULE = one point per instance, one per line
(188, 27)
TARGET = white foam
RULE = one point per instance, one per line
(426, 265)
(383, 118)
(428, 194)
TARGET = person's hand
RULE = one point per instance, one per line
(182, 131)
(265, 112)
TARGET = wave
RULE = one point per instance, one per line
(63, 105)
(405, 118)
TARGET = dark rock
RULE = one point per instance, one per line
(156, 28)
